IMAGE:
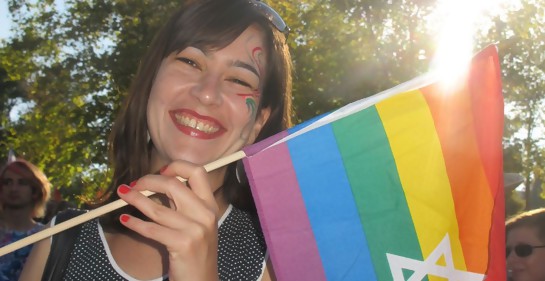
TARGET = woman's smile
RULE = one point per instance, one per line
(193, 124)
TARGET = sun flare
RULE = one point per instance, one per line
(458, 22)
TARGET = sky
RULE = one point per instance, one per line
(5, 22)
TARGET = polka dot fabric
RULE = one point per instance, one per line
(241, 252)
(89, 260)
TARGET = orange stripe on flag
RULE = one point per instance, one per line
(452, 113)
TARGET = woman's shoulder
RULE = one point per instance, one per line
(67, 214)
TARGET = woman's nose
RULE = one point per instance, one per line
(208, 90)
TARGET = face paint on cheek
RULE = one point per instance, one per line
(250, 102)
(251, 105)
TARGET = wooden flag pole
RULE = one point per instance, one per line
(103, 210)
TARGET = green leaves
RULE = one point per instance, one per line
(70, 66)
(520, 32)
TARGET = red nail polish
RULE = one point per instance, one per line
(123, 189)
(133, 183)
(163, 169)
(124, 218)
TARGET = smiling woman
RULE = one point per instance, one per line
(215, 79)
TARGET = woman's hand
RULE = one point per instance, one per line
(188, 228)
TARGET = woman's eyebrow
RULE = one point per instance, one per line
(246, 66)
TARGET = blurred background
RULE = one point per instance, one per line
(66, 65)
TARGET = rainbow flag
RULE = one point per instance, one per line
(405, 185)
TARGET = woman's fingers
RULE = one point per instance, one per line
(196, 203)
(186, 246)
(171, 238)
(187, 206)
(187, 227)
(196, 177)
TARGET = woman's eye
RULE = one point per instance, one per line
(6, 181)
(241, 82)
(189, 62)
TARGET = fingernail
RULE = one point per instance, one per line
(123, 189)
(163, 169)
(133, 183)
(124, 218)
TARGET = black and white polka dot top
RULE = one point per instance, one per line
(241, 252)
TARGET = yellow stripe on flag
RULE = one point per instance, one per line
(417, 151)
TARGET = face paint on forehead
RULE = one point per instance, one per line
(258, 57)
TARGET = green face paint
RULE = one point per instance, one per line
(250, 102)
(251, 105)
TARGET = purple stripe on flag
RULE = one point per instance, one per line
(292, 235)
(257, 147)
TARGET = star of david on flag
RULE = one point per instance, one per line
(404, 185)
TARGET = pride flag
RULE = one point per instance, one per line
(405, 185)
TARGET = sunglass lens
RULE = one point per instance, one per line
(523, 250)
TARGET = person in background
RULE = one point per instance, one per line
(24, 189)
(215, 79)
(525, 246)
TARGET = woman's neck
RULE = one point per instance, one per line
(18, 219)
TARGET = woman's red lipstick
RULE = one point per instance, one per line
(193, 124)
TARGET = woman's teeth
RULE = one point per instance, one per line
(198, 125)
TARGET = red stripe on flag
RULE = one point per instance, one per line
(486, 76)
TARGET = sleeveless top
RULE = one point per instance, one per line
(241, 251)
(11, 264)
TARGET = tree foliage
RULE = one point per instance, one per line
(75, 60)
(520, 34)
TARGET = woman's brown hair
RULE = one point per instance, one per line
(208, 25)
(532, 219)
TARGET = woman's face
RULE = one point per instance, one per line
(203, 105)
(16, 191)
(532, 267)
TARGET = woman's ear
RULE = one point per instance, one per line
(260, 121)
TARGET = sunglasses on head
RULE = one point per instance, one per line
(272, 16)
(522, 250)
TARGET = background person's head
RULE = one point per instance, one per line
(525, 234)
(210, 26)
(23, 185)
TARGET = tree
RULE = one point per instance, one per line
(77, 64)
(348, 50)
(520, 34)
(76, 61)
(10, 92)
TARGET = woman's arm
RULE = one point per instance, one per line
(35, 263)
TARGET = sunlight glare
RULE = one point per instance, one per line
(458, 21)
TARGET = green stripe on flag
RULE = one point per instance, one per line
(377, 190)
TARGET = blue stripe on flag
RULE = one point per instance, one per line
(333, 215)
